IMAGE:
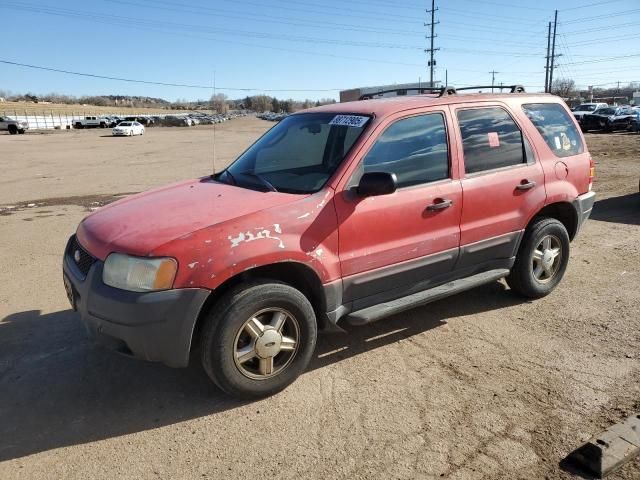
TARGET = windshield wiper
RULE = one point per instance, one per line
(233, 179)
(260, 178)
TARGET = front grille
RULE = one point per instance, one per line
(80, 257)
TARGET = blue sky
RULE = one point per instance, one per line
(311, 45)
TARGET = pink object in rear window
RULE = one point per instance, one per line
(494, 141)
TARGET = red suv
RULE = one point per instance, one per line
(343, 213)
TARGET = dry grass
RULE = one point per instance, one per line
(25, 108)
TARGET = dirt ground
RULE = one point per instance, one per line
(481, 385)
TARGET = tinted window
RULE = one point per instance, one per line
(415, 149)
(490, 139)
(556, 127)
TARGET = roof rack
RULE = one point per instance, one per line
(443, 91)
(421, 90)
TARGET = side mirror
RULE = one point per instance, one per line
(377, 183)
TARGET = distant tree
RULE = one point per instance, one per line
(275, 105)
(306, 104)
(247, 103)
(261, 103)
(317, 103)
(219, 103)
(564, 87)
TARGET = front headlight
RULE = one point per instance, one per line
(139, 274)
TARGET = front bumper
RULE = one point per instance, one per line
(155, 326)
(584, 205)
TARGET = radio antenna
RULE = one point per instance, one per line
(213, 103)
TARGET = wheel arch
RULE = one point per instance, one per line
(564, 212)
(295, 274)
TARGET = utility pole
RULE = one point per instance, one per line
(432, 50)
(553, 51)
(546, 68)
(493, 78)
(446, 77)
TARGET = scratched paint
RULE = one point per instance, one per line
(259, 233)
(193, 264)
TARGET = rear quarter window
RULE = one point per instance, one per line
(556, 127)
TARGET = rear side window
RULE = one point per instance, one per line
(555, 126)
(414, 148)
(490, 139)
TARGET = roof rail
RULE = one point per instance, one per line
(442, 91)
(445, 91)
(421, 90)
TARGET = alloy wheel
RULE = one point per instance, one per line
(547, 258)
(266, 343)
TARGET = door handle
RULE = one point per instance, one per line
(440, 204)
(526, 185)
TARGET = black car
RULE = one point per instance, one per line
(608, 119)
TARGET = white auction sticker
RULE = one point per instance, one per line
(356, 121)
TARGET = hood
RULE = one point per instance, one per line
(139, 224)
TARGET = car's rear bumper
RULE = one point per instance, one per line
(584, 205)
(155, 326)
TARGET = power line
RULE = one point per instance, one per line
(601, 17)
(138, 21)
(604, 59)
(580, 7)
(164, 84)
(223, 13)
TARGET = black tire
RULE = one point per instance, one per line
(79, 126)
(225, 323)
(522, 279)
(13, 129)
(21, 131)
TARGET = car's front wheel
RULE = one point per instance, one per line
(258, 339)
(13, 129)
(542, 259)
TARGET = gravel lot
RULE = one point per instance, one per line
(481, 385)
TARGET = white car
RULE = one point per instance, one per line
(586, 109)
(128, 128)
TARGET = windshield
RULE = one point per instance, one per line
(298, 155)
(607, 111)
(586, 108)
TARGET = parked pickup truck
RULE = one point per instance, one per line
(92, 122)
(345, 213)
(13, 126)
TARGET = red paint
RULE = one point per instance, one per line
(217, 231)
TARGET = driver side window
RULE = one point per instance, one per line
(413, 148)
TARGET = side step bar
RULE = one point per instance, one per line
(378, 312)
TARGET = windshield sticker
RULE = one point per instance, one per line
(494, 141)
(355, 121)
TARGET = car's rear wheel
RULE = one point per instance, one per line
(21, 131)
(541, 260)
(13, 129)
(258, 339)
